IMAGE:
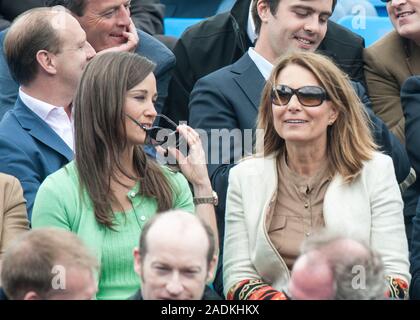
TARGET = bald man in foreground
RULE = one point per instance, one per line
(337, 268)
(176, 258)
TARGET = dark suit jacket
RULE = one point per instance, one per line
(11, 9)
(148, 47)
(410, 102)
(229, 99)
(209, 294)
(190, 9)
(221, 40)
(415, 256)
(30, 150)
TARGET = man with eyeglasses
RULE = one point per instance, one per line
(225, 103)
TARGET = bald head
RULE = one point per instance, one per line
(36, 29)
(183, 227)
(312, 278)
(335, 267)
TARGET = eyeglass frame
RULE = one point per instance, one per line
(148, 130)
(295, 92)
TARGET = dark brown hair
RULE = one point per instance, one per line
(273, 4)
(100, 133)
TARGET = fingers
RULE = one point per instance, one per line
(174, 152)
(161, 151)
(189, 134)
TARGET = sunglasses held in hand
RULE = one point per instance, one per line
(308, 96)
(160, 136)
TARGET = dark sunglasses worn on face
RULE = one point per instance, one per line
(385, 1)
(308, 96)
(160, 136)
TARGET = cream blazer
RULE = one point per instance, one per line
(369, 209)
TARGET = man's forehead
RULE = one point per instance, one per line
(106, 3)
(185, 259)
(320, 5)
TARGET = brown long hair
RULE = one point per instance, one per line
(349, 139)
(100, 133)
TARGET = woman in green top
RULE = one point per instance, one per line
(112, 187)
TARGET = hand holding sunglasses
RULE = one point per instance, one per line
(308, 96)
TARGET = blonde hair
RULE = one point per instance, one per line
(349, 139)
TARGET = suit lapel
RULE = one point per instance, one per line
(249, 79)
(38, 129)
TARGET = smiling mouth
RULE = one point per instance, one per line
(117, 36)
(304, 41)
(146, 125)
(295, 121)
(404, 14)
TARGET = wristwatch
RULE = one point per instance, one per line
(213, 199)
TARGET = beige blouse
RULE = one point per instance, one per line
(298, 209)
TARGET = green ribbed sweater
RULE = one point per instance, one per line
(58, 204)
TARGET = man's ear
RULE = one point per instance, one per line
(211, 269)
(263, 9)
(31, 295)
(46, 61)
(137, 261)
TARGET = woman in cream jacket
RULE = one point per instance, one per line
(317, 168)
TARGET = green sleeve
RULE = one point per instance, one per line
(50, 207)
(183, 198)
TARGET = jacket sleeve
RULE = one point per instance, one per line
(15, 219)
(384, 91)
(157, 52)
(16, 162)
(212, 115)
(237, 264)
(8, 86)
(388, 236)
(384, 138)
(410, 101)
(148, 15)
(4, 23)
(182, 82)
(415, 257)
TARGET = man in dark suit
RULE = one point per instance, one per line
(108, 26)
(36, 136)
(227, 100)
(191, 9)
(221, 40)
(410, 102)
